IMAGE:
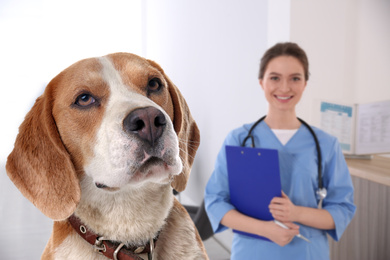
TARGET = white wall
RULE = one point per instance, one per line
(372, 51)
(211, 50)
(348, 47)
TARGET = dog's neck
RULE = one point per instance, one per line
(131, 215)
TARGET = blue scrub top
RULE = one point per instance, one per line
(299, 178)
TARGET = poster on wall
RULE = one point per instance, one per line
(361, 129)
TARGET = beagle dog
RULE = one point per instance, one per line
(100, 152)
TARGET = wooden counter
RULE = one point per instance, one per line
(368, 234)
(377, 169)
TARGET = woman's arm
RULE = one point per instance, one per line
(268, 229)
(284, 210)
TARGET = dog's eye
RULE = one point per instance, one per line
(154, 85)
(85, 100)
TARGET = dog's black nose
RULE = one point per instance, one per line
(148, 123)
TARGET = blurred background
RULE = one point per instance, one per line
(211, 50)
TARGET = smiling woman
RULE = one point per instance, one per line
(283, 77)
(283, 84)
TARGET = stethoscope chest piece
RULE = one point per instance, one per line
(321, 193)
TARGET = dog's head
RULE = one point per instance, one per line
(117, 120)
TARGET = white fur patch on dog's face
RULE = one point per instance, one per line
(121, 158)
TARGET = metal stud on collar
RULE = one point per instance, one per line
(83, 229)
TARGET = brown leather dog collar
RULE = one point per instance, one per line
(112, 250)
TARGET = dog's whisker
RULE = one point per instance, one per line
(191, 146)
(188, 141)
(194, 144)
(186, 153)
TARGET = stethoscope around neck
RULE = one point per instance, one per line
(321, 191)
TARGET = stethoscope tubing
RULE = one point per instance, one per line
(320, 183)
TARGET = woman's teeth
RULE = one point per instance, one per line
(283, 98)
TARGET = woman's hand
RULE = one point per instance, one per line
(279, 235)
(269, 229)
(283, 209)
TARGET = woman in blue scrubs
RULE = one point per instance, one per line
(283, 77)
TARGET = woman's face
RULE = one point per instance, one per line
(283, 83)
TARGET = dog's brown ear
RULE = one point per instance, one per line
(40, 166)
(188, 133)
(186, 129)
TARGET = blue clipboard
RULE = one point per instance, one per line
(254, 179)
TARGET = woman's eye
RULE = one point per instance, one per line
(85, 100)
(154, 85)
(296, 79)
(274, 78)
